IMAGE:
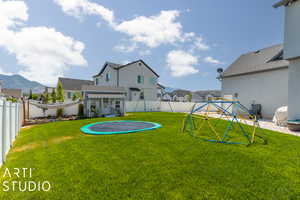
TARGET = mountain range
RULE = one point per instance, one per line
(19, 82)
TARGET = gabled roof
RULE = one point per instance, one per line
(160, 86)
(119, 66)
(284, 3)
(267, 59)
(74, 84)
(108, 64)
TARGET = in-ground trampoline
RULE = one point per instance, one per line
(118, 127)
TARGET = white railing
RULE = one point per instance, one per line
(10, 125)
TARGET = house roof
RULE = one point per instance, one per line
(161, 86)
(119, 66)
(267, 59)
(284, 3)
(205, 93)
(16, 93)
(74, 84)
(104, 89)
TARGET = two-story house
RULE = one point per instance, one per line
(139, 80)
(114, 84)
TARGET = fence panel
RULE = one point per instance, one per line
(10, 125)
(1, 135)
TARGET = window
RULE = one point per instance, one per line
(140, 79)
(142, 95)
(97, 81)
(107, 77)
(69, 95)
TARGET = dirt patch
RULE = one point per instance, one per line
(32, 146)
(27, 127)
(26, 147)
(60, 139)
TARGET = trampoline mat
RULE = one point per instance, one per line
(118, 127)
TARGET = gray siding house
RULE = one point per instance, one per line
(259, 77)
(114, 84)
(139, 80)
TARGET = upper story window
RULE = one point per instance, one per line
(107, 77)
(140, 79)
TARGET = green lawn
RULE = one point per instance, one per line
(158, 164)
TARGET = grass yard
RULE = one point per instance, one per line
(158, 164)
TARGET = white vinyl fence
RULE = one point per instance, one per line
(10, 125)
(130, 106)
(157, 106)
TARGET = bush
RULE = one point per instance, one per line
(81, 110)
(60, 113)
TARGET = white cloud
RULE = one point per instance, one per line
(78, 8)
(12, 13)
(126, 48)
(181, 63)
(151, 31)
(154, 30)
(44, 52)
(200, 44)
(212, 60)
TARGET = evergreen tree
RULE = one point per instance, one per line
(53, 96)
(60, 92)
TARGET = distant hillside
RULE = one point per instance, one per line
(19, 82)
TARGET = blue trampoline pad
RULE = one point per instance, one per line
(118, 127)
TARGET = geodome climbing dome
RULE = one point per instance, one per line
(223, 121)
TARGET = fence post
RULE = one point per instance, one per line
(11, 134)
(16, 119)
(4, 131)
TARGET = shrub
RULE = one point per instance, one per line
(60, 113)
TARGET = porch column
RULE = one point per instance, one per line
(294, 90)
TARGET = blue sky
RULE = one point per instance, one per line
(185, 40)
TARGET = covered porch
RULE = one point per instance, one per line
(102, 101)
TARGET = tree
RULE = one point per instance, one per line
(45, 98)
(60, 92)
(53, 96)
(190, 96)
(76, 96)
(30, 94)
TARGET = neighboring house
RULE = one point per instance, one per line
(98, 100)
(197, 98)
(114, 84)
(15, 93)
(205, 95)
(270, 76)
(8, 92)
(180, 98)
(49, 90)
(160, 91)
(73, 86)
(259, 77)
(167, 97)
(292, 54)
(180, 95)
(139, 80)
